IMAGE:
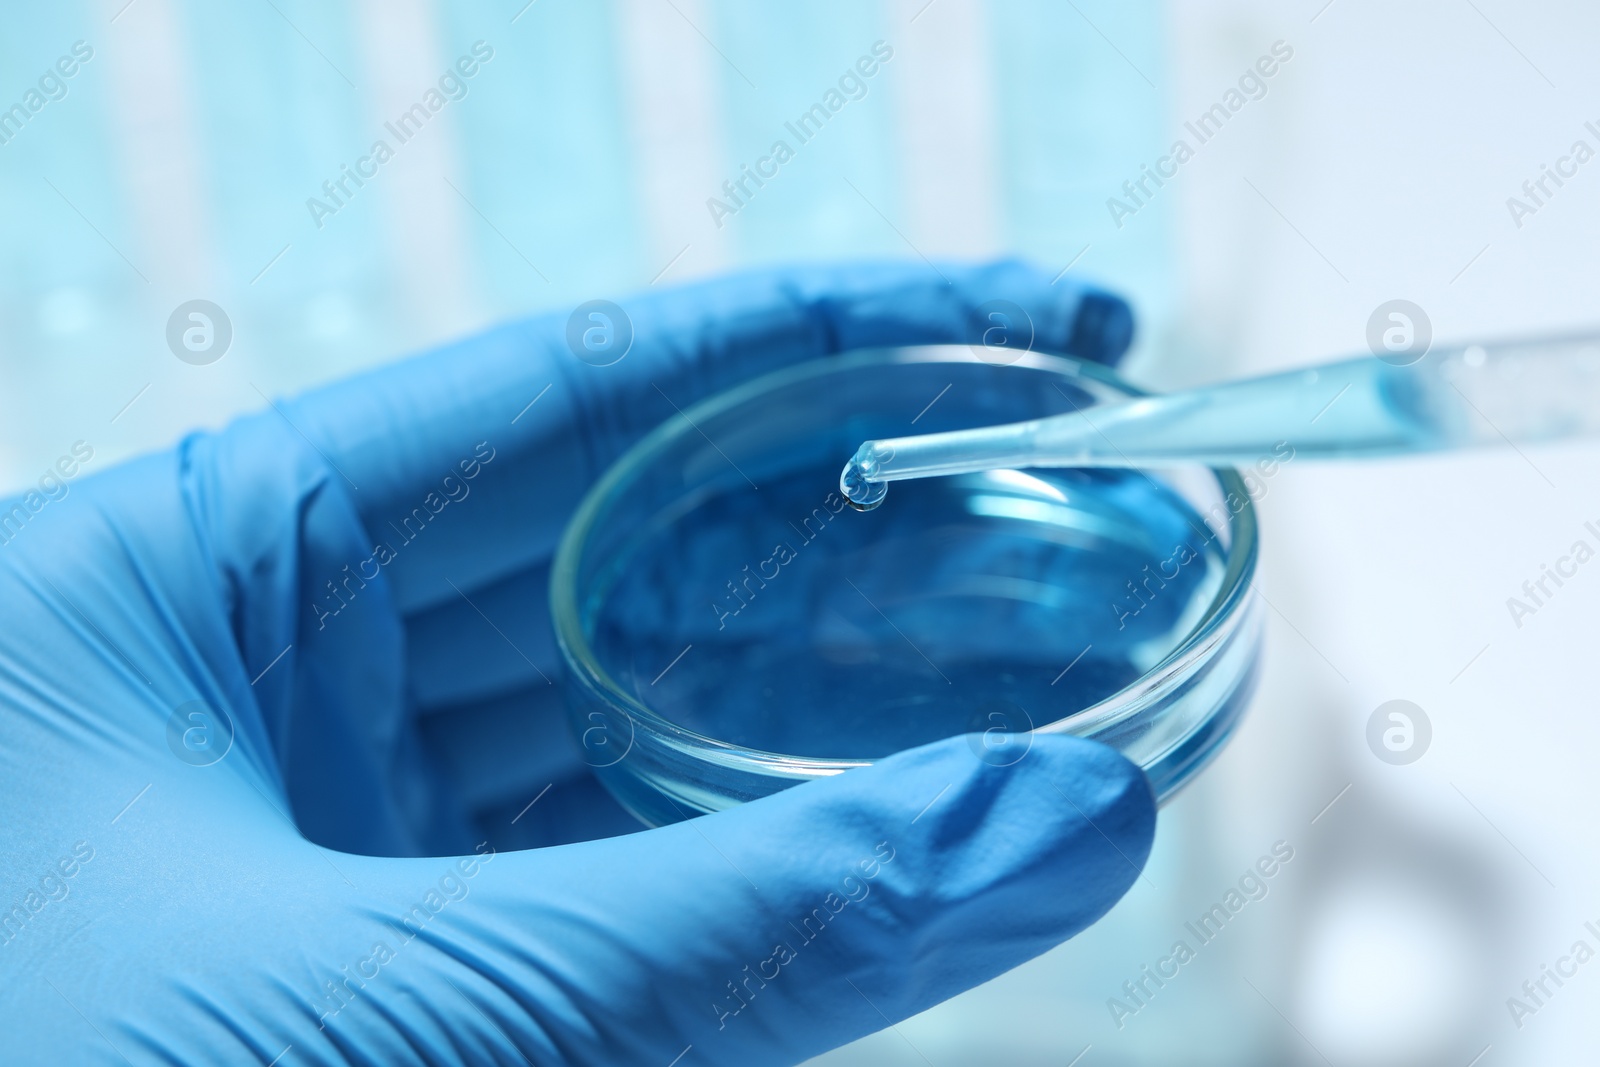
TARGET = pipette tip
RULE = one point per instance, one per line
(855, 481)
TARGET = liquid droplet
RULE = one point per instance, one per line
(855, 482)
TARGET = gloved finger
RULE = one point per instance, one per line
(511, 427)
(774, 931)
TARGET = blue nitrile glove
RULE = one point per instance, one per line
(205, 668)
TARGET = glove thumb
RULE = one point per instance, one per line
(774, 931)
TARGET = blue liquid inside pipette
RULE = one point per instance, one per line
(1531, 390)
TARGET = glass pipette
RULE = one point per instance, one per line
(1510, 392)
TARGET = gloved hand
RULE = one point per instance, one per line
(259, 810)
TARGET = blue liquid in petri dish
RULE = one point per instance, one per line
(1001, 600)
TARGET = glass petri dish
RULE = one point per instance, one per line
(730, 627)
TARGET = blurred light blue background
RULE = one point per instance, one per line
(577, 165)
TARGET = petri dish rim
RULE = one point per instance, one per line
(1221, 617)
